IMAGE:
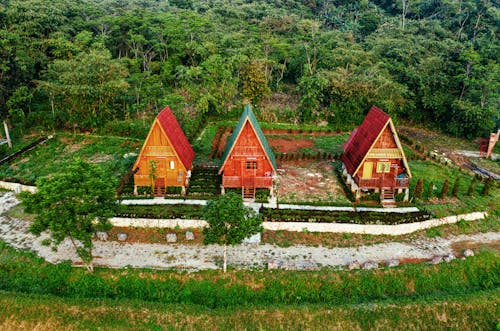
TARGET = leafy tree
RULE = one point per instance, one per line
(84, 86)
(254, 82)
(74, 204)
(487, 186)
(229, 222)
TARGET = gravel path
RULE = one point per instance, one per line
(193, 257)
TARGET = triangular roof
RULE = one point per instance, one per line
(172, 130)
(362, 140)
(248, 116)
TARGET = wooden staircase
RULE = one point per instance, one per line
(387, 197)
(160, 189)
(248, 193)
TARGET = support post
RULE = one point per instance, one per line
(183, 190)
(135, 190)
(407, 195)
(7, 135)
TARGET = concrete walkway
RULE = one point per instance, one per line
(256, 206)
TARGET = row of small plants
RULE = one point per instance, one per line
(26, 273)
(306, 156)
(160, 211)
(352, 217)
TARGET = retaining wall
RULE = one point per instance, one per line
(17, 188)
(311, 227)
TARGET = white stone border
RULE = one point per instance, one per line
(17, 188)
(393, 230)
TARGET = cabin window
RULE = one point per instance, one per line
(251, 164)
(172, 165)
(383, 167)
(179, 176)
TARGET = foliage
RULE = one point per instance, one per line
(430, 190)
(419, 189)
(229, 221)
(471, 191)
(456, 187)
(73, 203)
(444, 189)
(25, 273)
(87, 63)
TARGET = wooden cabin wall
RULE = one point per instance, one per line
(386, 139)
(247, 149)
(159, 149)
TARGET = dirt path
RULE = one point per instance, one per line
(192, 257)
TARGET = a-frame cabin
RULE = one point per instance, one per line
(166, 158)
(374, 160)
(248, 161)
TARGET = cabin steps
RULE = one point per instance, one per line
(248, 193)
(159, 191)
(387, 197)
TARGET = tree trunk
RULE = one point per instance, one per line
(89, 266)
(224, 264)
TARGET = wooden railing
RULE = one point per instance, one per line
(247, 150)
(372, 183)
(236, 181)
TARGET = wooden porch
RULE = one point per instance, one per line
(382, 183)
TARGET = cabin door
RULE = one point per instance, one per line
(248, 172)
(161, 171)
(367, 170)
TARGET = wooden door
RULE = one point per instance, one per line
(367, 170)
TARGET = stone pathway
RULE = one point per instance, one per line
(193, 257)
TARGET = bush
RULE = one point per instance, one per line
(444, 190)
(430, 190)
(487, 186)
(472, 187)
(419, 189)
(456, 187)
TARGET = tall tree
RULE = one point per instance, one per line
(74, 204)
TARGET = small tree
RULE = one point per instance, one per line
(456, 187)
(444, 189)
(229, 222)
(73, 204)
(419, 189)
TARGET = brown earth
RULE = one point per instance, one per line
(290, 146)
(308, 181)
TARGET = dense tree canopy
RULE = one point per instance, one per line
(89, 62)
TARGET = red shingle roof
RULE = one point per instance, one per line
(176, 136)
(361, 139)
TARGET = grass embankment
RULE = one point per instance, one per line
(51, 156)
(476, 311)
(23, 272)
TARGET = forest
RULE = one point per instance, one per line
(81, 65)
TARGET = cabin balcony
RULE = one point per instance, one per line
(145, 180)
(237, 181)
(375, 183)
(247, 151)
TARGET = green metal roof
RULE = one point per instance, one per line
(248, 114)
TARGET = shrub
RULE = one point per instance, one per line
(487, 186)
(444, 190)
(472, 187)
(430, 190)
(419, 189)
(456, 187)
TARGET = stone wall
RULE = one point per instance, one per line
(17, 188)
(306, 226)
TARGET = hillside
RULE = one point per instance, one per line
(81, 65)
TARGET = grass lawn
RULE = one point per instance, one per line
(474, 311)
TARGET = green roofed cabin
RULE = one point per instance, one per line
(248, 161)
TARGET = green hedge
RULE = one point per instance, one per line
(160, 211)
(361, 217)
(481, 272)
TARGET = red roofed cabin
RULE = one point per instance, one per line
(166, 158)
(373, 158)
(248, 161)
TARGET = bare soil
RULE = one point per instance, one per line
(290, 146)
(308, 181)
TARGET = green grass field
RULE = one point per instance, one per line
(475, 311)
